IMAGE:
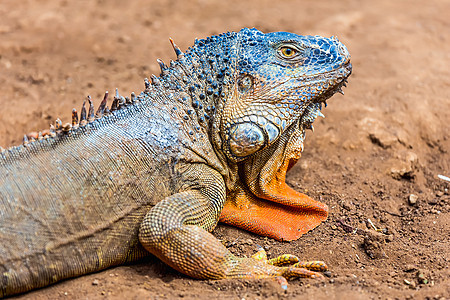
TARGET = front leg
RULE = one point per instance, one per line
(176, 231)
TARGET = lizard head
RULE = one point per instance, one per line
(279, 79)
(276, 87)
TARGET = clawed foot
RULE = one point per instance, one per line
(290, 266)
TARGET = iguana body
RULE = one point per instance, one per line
(212, 137)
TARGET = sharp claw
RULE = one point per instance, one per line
(296, 272)
(317, 276)
(282, 282)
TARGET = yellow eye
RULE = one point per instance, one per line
(288, 52)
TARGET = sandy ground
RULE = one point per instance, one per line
(386, 139)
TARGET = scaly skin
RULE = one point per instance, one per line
(211, 138)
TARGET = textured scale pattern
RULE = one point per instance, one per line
(210, 139)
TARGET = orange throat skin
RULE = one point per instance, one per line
(267, 206)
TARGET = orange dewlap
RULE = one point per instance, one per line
(271, 219)
(281, 213)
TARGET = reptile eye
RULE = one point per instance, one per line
(287, 52)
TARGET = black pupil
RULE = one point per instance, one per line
(288, 51)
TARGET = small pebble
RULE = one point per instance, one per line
(433, 201)
(409, 268)
(304, 165)
(389, 238)
(95, 282)
(412, 200)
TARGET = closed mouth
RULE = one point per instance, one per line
(314, 108)
(337, 88)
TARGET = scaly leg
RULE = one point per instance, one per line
(176, 231)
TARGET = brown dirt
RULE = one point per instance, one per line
(386, 139)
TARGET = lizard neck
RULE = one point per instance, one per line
(204, 76)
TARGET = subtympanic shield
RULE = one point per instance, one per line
(245, 139)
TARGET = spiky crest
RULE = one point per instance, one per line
(77, 122)
(176, 70)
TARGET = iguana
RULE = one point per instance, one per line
(209, 140)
